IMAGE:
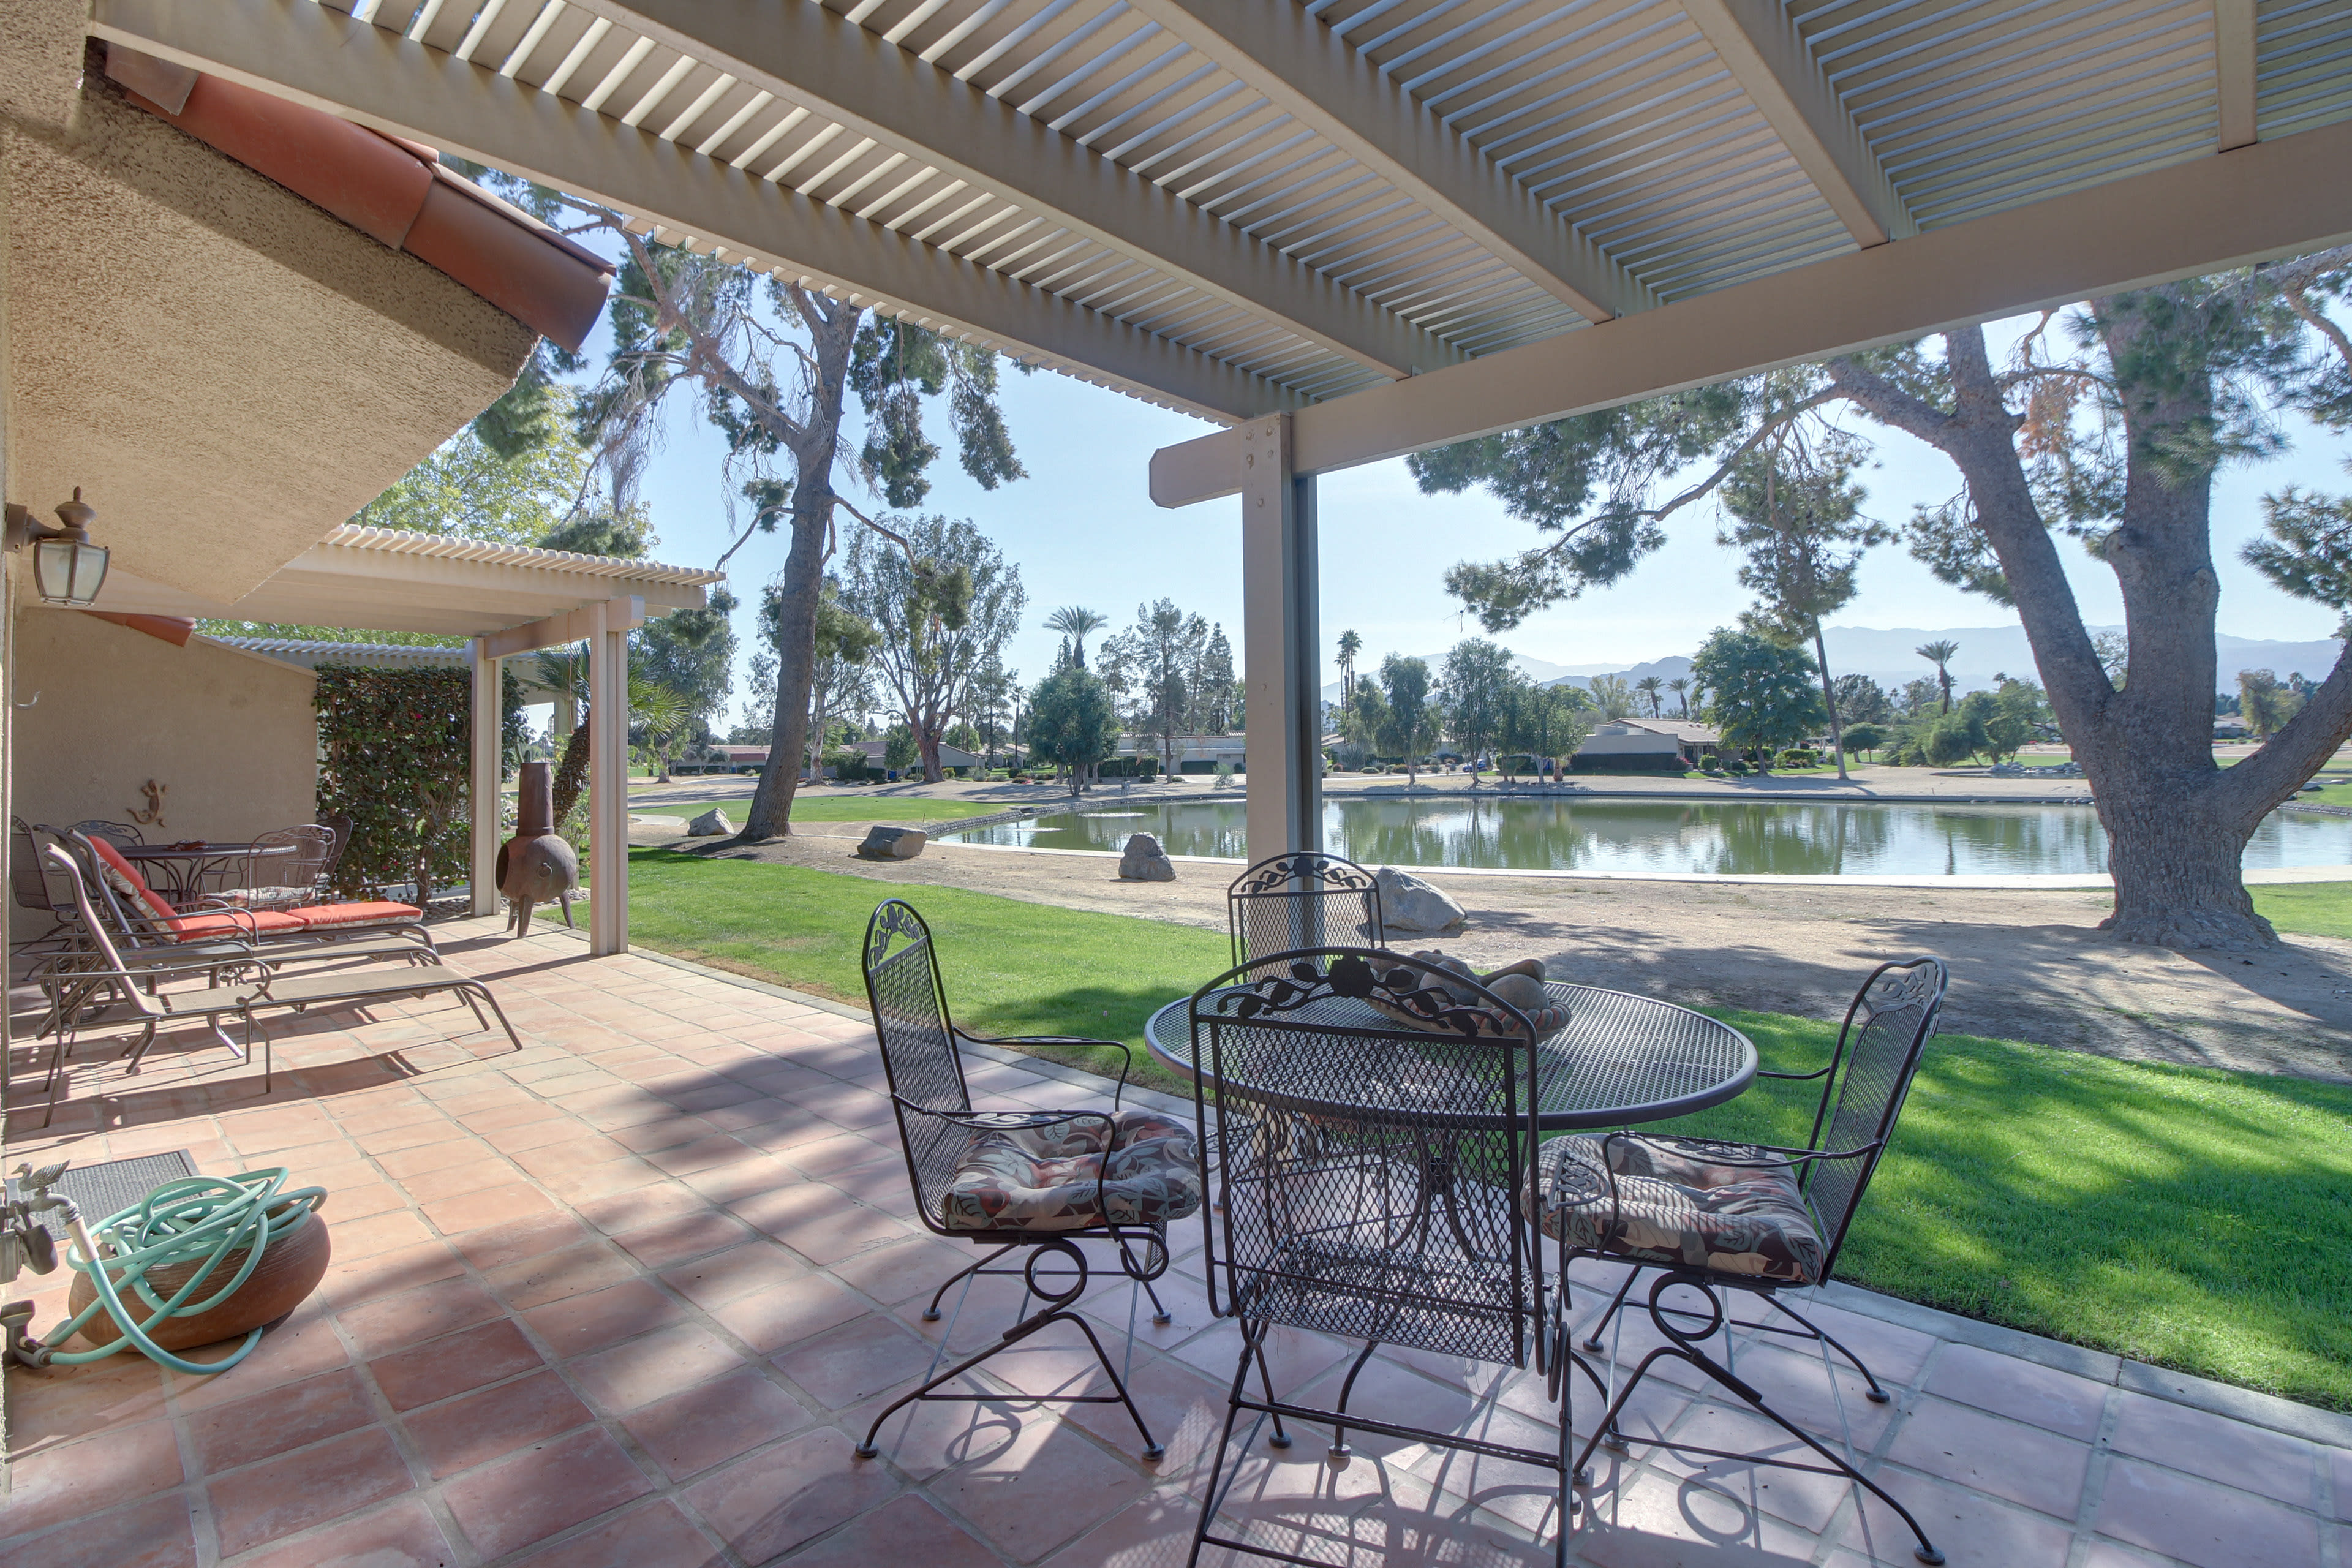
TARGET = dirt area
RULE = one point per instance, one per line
(2027, 965)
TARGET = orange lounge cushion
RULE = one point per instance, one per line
(363, 912)
(250, 922)
(127, 880)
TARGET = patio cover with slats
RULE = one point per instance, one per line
(509, 599)
(1350, 229)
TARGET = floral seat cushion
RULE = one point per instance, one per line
(1673, 1206)
(1060, 1177)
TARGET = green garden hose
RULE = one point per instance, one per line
(203, 1220)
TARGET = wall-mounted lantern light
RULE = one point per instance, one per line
(67, 569)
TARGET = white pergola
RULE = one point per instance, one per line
(509, 599)
(1350, 229)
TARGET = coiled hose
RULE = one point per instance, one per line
(204, 1220)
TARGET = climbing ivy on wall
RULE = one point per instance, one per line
(393, 747)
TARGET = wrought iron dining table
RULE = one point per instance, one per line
(186, 865)
(1621, 1060)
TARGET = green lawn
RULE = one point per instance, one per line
(829, 807)
(2193, 1218)
(1012, 968)
(2315, 909)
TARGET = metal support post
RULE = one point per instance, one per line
(1281, 637)
(608, 782)
(483, 792)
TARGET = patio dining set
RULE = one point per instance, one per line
(1393, 1151)
(249, 929)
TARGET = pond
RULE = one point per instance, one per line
(1728, 839)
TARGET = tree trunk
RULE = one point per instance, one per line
(816, 730)
(2176, 868)
(1829, 700)
(804, 582)
(572, 774)
(927, 742)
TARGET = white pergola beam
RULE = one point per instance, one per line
(1760, 47)
(817, 60)
(626, 613)
(1309, 73)
(2275, 198)
(2233, 71)
(303, 51)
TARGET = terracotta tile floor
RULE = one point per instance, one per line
(629, 1296)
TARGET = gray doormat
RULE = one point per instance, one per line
(108, 1188)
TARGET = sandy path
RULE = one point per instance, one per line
(2026, 964)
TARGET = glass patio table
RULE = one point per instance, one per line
(1621, 1060)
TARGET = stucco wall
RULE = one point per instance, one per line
(230, 735)
(227, 371)
(1613, 739)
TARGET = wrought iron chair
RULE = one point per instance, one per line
(112, 832)
(37, 890)
(1287, 903)
(340, 826)
(1371, 1131)
(1714, 1216)
(1037, 1182)
(284, 871)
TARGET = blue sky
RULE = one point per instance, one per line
(1083, 530)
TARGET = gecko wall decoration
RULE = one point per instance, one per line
(154, 815)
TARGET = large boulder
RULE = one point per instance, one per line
(892, 843)
(1144, 861)
(711, 824)
(1410, 904)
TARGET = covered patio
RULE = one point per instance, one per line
(633, 1295)
(507, 600)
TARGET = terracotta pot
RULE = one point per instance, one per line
(291, 1266)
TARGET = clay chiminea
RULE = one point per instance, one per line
(536, 866)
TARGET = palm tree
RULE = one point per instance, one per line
(1350, 644)
(1074, 622)
(1939, 654)
(1650, 686)
(1680, 687)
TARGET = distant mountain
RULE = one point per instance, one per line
(1671, 667)
(1886, 655)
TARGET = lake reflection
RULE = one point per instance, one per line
(1729, 838)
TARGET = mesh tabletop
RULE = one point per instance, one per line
(1622, 1058)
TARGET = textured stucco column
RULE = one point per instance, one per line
(483, 779)
(1281, 613)
(608, 783)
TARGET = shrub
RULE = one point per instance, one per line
(1863, 738)
(1798, 757)
(393, 752)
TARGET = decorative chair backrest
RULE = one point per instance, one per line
(112, 832)
(36, 886)
(1307, 899)
(1887, 1027)
(910, 1010)
(919, 1055)
(313, 847)
(95, 928)
(1371, 1131)
(340, 826)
